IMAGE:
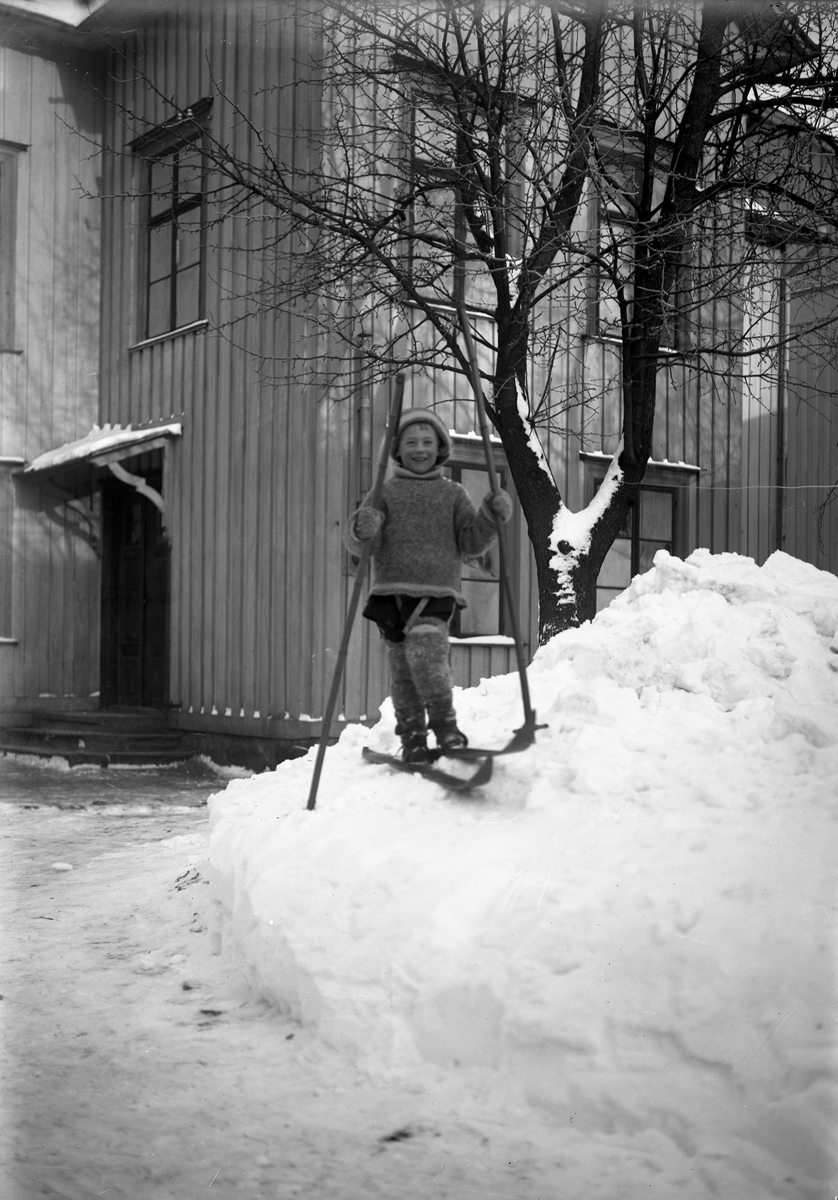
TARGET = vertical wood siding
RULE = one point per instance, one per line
(810, 396)
(259, 484)
(760, 425)
(48, 389)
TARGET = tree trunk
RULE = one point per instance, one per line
(565, 597)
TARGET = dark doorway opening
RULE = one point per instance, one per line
(135, 593)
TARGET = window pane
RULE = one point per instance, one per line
(479, 288)
(618, 255)
(161, 186)
(483, 613)
(615, 571)
(434, 140)
(432, 217)
(159, 252)
(648, 550)
(604, 596)
(609, 310)
(434, 212)
(159, 305)
(188, 245)
(485, 566)
(481, 573)
(472, 480)
(190, 172)
(187, 304)
(656, 515)
(476, 482)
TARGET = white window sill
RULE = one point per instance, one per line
(6, 641)
(613, 339)
(654, 464)
(489, 639)
(195, 327)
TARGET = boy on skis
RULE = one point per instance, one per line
(423, 528)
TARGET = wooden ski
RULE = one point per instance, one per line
(452, 783)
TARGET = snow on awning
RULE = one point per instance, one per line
(102, 445)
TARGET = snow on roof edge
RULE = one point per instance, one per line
(97, 441)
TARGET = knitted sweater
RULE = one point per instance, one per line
(429, 525)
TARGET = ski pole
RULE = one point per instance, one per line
(386, 444)
(526, 734)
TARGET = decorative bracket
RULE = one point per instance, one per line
(141, 485)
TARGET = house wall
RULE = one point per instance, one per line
(259, 485)
(48, 375)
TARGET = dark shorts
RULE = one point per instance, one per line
(391, 613)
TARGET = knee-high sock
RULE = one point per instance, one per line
(427, 655)
(410, 711)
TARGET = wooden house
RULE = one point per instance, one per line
(50, 238)
(174, 490)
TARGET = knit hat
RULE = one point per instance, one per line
(413, 416)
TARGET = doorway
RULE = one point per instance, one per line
(135, 594)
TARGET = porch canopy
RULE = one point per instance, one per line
(74, 467)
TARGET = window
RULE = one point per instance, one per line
(8, 221)
(174, 249)
(482, 585)
(449, 223)
(649, 526)
(659, 520)
(614, 236)
(613, 272)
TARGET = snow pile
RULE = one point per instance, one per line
(629, 934)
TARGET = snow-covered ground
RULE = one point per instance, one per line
(621, 952)
(137, 1066)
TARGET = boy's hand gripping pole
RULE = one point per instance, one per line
(360, 574)
(524, 736)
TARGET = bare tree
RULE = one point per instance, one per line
(631, 166)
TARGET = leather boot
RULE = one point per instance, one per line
(443, 722)
(414, 739)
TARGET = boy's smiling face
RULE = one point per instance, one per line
(418, 448)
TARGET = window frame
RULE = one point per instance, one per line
(467, 454)
(434, 176)
(678, 479)
(602, 291)
(617, 213)
(188, 131)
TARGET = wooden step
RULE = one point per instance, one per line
(138, 737)
(100, 758)
(69, 737)
(146, 720)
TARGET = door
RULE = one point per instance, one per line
(135, 590)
